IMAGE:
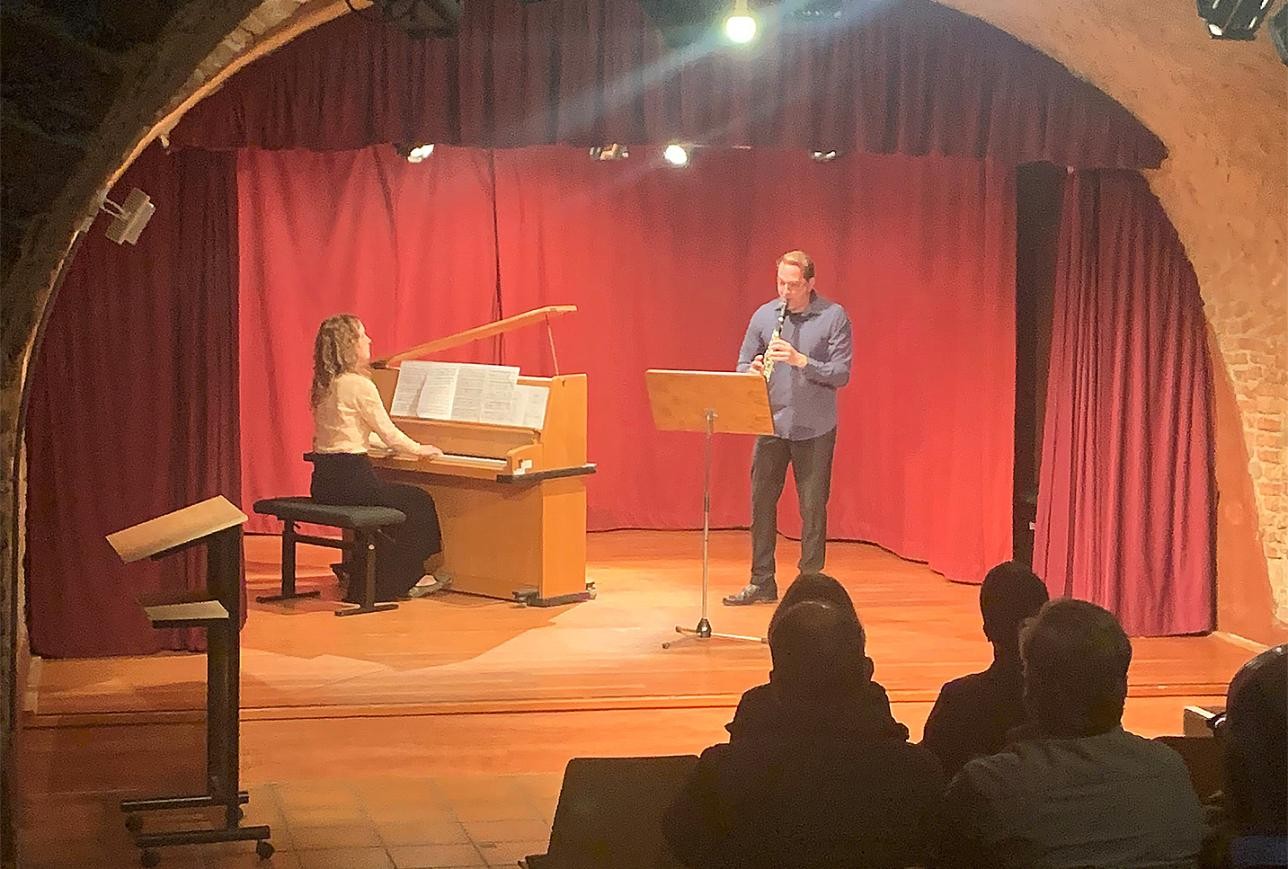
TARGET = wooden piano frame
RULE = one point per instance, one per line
(514, 524)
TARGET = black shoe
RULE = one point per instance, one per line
(753, 593)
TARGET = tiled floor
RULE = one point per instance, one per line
(388, 823)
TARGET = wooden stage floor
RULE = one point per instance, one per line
(458, 654)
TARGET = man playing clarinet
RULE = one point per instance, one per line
(800, 342)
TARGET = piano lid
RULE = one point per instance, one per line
(487, 330)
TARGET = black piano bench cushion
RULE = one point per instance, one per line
(301, 509)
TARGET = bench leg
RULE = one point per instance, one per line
(288, 569)
(364, 566)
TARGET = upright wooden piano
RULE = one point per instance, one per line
(511, 499)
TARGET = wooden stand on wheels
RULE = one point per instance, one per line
(217, 525)
(710, 402)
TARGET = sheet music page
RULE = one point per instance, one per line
(484, 393)
(438, 391)
(529, 406)
(411, 377)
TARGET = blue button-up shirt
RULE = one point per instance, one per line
(803, 399)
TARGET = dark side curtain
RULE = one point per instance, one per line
(1126, 495)
(133, 409)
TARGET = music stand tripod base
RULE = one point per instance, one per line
(703, 632)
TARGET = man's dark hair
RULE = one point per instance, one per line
(816, 648)
(1075, 668)
(1256, 756)
(1011, 594)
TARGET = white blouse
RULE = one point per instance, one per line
(348, 415)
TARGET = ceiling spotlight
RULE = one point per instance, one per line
(740, 27)
(676, 155)
(615, 151)
(1232, 19)
(822, 156)
(816, 10)
(415, 153)
(128, 219)
(419, 19)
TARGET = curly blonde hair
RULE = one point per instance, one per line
(335, 352)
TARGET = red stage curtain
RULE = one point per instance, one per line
(666, 267)
(1126, 494)
(407, 247)
(910, 77)
(138, 365)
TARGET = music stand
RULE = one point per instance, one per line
(216, 525)
(710, 402)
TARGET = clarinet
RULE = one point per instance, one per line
(778, 331)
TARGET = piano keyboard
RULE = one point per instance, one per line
(472, 461)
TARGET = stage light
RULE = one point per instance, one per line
(615, 151)
(1279, 32)
(676, 155)
(740, 27)
(822, 156)
(419, 19)
(1232, 19)
(128, 219)
(817, 10)
(415, 153)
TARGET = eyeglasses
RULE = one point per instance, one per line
(792, 285)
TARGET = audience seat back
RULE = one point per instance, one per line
(610, 813)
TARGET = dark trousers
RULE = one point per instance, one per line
(349, 479)
(811, 462)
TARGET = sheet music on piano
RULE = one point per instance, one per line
(529, 407)
(468, 392)
(411, 379)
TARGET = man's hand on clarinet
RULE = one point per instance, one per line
(780, 351)
(758, 365)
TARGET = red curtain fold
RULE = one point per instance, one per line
(138, 356)
(666, 267)
(909, 77)
(407, 247)
(1126, 496)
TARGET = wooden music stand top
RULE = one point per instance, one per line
(173, 531)
(681, 400)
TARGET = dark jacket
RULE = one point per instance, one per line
(835, 786)
(973, 715)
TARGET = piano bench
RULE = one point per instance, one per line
(363, 522)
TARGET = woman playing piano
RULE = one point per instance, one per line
(346, 410)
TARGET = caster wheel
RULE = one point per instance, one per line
(150, 858)
(133, 823)
(264, 849)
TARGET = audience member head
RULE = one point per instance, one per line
(816, 586)
(337, 349)
(1075, 669)
(1010, 595)
(818, 651)
(1256, 756)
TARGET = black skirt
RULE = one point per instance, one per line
(349, 479)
